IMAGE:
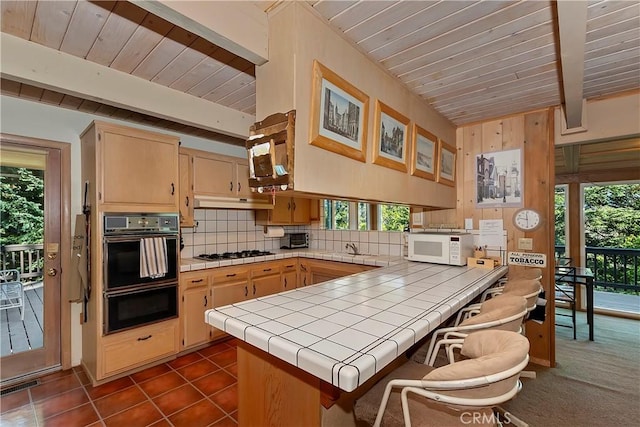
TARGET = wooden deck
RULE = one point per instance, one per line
(17, 335)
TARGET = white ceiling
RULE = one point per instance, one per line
(471, 60)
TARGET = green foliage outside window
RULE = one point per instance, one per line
(394, 217)
(21, 206)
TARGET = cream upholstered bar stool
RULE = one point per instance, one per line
(530, 289)
(458, 394)
(527, 274)
(504, 312)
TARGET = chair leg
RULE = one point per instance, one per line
(405, 406)
(573, 317)
(383, 404)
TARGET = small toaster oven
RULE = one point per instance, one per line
(294, 241)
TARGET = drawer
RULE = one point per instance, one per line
(290, 264)
(265, 269)
(194, 279)
(139, 346)
(232, 274)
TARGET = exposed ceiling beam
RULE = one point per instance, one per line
(572, 25)
(37, 65)
(237, 26)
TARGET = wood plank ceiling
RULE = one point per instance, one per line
(471, 60)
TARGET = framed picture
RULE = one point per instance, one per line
(391, 138)
(446, 164)
(499, 179)
(423, 153)
(339, 114)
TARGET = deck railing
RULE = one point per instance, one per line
(614, 269)
(27, 259)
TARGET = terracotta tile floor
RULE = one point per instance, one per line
(198, 389)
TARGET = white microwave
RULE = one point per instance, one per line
(440, 248)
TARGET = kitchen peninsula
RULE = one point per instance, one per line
(301, 349)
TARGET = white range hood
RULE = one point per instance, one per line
(202, 202)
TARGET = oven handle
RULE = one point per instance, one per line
(137, 237)
(139, 289)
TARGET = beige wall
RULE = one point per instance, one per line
(297, 37)
(533, 134)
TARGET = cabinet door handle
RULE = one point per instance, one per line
(144, 338)
(285, 282)
(173, 189)
(303, 268)
(267, 269)
(231, 275)
(187, 201)
(289, 206)
(294, 206)
(239, 186)
(254, 289)
(246, 291)
(305, 281)
(290, 266)
(197, 281)
(231, 186)
(205, 301)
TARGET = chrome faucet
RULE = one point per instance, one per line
(352, 246)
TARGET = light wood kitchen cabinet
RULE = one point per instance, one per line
(228, 285)
(215, 175)
(185, 159)
(266, 279)
(186, 189)
(196, 298)
(289, 274)
(314, 271)
(131, 169)
(137, 347)
(287, 210)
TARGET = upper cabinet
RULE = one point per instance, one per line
(215, 181)
(130, 169)
(186, 189)
(287, 210)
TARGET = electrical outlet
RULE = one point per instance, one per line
(525, 243)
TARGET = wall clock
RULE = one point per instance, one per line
(527, 219)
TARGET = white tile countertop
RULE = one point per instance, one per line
(191, 264)
(345, 330)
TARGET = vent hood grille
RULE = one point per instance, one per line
(207, 202)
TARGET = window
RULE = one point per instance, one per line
(364, 222)
(336, 214)
(363, 216)
(393, 217)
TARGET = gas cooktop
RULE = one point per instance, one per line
(232, 255)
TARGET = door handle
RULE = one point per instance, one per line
(205, 301)
(231, 186)
(173, 189)
(246, 291)
(254, 289)
(187, 201)
(52, 272)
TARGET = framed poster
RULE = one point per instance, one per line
(499, 179)
(423, 153)
(339, 114)
(391, 138)
(446, 164)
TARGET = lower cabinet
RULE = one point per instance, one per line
(137, 347)
(314, 271)
(204, 289)
(195, 299)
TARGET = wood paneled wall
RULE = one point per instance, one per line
(533, 133)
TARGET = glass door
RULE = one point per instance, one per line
(30, 177)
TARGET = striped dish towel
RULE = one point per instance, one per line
(153, 257)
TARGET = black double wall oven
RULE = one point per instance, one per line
(141, 259)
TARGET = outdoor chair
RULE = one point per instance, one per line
(11, 291)
(565, 292)
(505, 312)
(452, 394)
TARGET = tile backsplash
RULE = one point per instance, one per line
(227, 230)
